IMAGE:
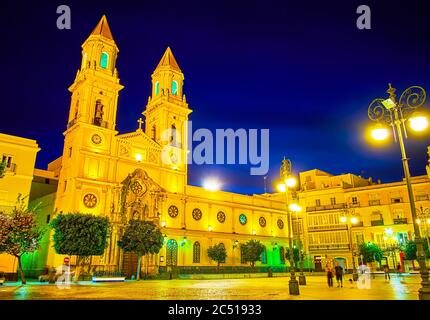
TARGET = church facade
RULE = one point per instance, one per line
(143, 175)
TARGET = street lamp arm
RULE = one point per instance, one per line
(411, 99)
(377, 112)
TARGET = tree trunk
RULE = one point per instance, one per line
(139, 258)
(23, 281)
(78, 268)
(217, 270)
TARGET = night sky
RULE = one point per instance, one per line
(299, 68)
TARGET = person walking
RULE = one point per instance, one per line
(329, 272)
(338, 270)
(386, 272)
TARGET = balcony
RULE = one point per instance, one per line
(400, 221)
(354, 204)
(326, 207)
(422, 197)
(10, 169)
(396, 200)
(327, 227)
(358, 224)
(71, 123)
(374, 202)
(375, 223)
(330, 246)
(100, 123)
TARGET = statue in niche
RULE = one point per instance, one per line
(99, 112)
(76, 109)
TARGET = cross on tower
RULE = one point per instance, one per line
(140, 121)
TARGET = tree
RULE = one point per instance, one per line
(2, 168)
(217, 253)
(19, 233)
(371, 252)
(295, 255)
(141, 238)
(252, 251)
(410, 250)
(81, 235)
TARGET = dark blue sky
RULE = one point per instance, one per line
(299, 68)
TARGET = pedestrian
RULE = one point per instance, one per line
(329, 271)
(387, 272)
(339, 274)
(399, 268)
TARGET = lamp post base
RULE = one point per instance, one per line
(355, 276)
(424, 294)
(293, 285)
(302, 280)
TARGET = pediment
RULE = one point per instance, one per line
(138, 138)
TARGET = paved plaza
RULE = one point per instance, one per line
(399, 288)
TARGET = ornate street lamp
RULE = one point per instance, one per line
(396, 113)
(294, 207)
(349, 217)
(287, 182)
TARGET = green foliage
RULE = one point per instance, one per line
(410, 250)
(141, 238)
(252, 251)
(80, 234)
(19, 232)
(295, 254)
(2, 168)
(371, 252)
(217, 253)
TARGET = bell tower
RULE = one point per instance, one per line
(96, 86)
(89, 137)
(167, 115)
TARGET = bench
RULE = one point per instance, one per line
(108, 279)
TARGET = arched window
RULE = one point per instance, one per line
(173, 134)
(282, 254)
(154, 132)
(174, 87)
(242, 255)
(264, 256)
(172, 253)
(84, 61)
(104, 60)
(196, 252)
(157, 88)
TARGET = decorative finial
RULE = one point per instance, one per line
(391, 91)
(140, 122)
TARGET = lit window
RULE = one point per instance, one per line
(104, 60)
(157, 88)
(174, 87)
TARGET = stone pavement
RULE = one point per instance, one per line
(399, 288)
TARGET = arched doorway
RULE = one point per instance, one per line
(172, 253)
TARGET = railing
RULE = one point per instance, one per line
(331, 246)
(374, 223)
(374, 202)
(400, 221)
(327, 227)
(422, 197)
(326, 207)
(100, 123)
(358, 224)
(71, 123)
(11, 168)
(354, 204)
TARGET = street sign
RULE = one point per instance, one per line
(66, 260)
